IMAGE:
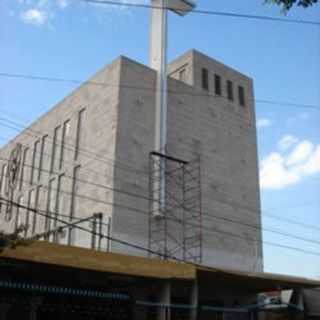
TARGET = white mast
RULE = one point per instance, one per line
(158, 61)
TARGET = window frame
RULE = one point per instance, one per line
(205, 79)
(217, 85)
(230, 90)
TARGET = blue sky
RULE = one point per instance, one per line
(71, 39)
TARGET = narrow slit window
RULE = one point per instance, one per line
(242, 100)
(55, 149)
(50, 206)
(217, 84)
(65, 134)
(205, 79)
(19, 217)
(31, 211)
(3, 183)
(23, 168)
(73, 204)
(43, 146)
(35, 161)
(230, 90)
(59, 201)
(79, 133)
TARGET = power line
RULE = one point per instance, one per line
(208, 12)
(206, 214)
(47, 214)
(239, 205)
(209, 215)
(86, 153)
(157, 253)
(174, 92)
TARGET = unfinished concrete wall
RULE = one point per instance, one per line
(65, 160)
(200, 123)
(223, 133)
(108, 173)
(135, 139)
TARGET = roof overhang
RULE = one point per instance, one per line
(253, 281)
(120, 264)
(92, 260)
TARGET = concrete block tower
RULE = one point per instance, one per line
(90, 154)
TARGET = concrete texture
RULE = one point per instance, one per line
(117, 135)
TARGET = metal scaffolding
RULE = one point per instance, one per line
(175, 230)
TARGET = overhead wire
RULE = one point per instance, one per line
(36, 211)
(210, 230)
(68, 146)
(208, 215)
(239, 205)
(206, 12)
(44, 213)
(153, 89)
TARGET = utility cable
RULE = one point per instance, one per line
(206, 12)
(150, 251)
(204, 214)
(153, 89)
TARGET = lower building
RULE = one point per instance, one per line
(49, 281)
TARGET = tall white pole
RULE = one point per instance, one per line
(158, 61)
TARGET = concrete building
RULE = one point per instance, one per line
(90, 154)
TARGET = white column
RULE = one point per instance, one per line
(158, 61)
(194, 300)
(165, 299)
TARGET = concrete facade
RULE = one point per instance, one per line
(110, 146)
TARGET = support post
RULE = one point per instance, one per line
(34, 306)
(109, 235)
(194, 300)
(164, 312)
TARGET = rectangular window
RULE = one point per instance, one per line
(50, 206)
(73, 207)
(65, 134)
(79, 133)
(230, 90)
(19, 217)
(35, 163)
(55, 149)
(43, 145)
(217, 84)
(57, 206)
(242, 100)
(205, 78)
(3, 179)
(23, 168)
(3, 182)
(31, 216)
(35, 206)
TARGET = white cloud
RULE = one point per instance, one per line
(34, 16)
(274, 174)
(264, 123)
(312, 165)
(286, 142)
(300, 153)
(280, 170)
